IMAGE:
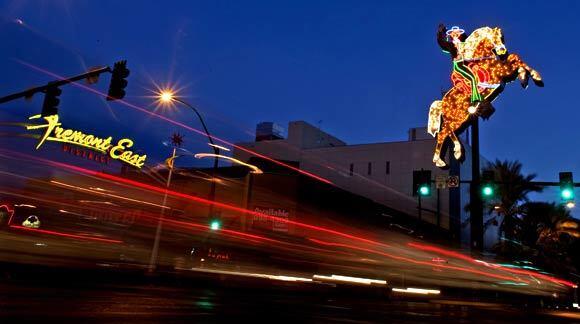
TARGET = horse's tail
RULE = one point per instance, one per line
(435, 112)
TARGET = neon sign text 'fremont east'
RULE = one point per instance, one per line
(55, 133)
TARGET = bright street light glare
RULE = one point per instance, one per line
(166, 96)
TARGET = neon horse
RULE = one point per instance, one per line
(487, 57)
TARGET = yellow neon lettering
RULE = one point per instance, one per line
(140, 161)
(59, 134)
(106, 144)
(52, 123)
(125, 142)
(67, 135)
(78, 137)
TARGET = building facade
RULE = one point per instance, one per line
(382, 172)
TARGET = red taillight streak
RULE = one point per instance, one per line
(204, 201)
(169, 120)
(10, 211)
(79, 237)
(233, 233)
(494, 266)
(430, 264)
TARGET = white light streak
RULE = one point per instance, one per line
(364, 281)
(417, 291)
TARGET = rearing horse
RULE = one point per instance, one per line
(488, 59)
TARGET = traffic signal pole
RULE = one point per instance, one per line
(30, 92)
(476, 207)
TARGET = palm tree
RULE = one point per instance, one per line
(542, 220)
(553, 233)
(512, 191)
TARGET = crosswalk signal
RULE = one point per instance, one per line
(422, 183)
(567, 187)
(51, 101)
(118, 81)
(488, 184)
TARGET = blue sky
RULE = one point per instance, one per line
(367, 69)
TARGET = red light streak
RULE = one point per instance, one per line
(192, 198)
(169, 120)
(457, 255)
(231, 233)
(10, 211)
(196, 198)
(79, 237)
(308, 226)
(227, 206)
(430, 264)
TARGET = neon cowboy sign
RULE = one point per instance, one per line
(55, 133)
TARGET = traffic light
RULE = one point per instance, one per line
(488, 184)
(422, 183)
(118, 82)
(566, 186)
(51, 101)
(215, 224)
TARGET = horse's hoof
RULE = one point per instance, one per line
(457, 154)
(440, 163)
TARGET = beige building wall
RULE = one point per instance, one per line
(326, 156)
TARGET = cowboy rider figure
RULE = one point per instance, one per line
(452, 42)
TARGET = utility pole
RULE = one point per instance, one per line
(155, 250)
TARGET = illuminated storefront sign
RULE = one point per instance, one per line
(261, 219)
(118, 151)
(481, 68)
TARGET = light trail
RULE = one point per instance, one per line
(253, 275)
(78, 237)
(175, 223)
(303, 225)
(150, 113)
(219, 147)
(137, 184)
(430, 264)
(417, 291)
(357, 280)
(254, 168)
(100, 192)
(457, 255)
(25, 205)
(10, 212)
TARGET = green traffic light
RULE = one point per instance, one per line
(215, 225)
(487, 191)
(424, 190)
(567, 193)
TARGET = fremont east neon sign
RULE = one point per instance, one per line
(55, 133)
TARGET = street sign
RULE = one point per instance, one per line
(440, 181)
(453, 181)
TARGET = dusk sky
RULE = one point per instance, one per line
(367, 69)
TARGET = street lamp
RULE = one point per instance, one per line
(169, 97)
(166, 96)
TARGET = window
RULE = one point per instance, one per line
(351, 169)
(369, 168)
(388, 167)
